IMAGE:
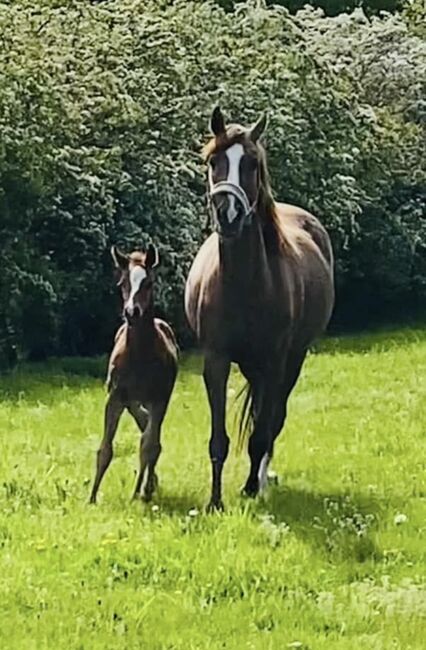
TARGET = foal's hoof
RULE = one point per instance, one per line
(215, 506)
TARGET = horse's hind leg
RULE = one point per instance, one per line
(150, 449)
(294, 366)
(113, 411)
(259, 442)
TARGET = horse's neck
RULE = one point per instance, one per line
(244, 262)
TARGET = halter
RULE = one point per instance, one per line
(225, 187)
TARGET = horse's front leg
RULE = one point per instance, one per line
(216, 373)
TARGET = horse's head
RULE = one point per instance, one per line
(235, 165)
(135, 280)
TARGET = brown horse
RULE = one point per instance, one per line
(259, 291)
(142, 369)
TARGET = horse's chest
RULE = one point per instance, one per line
(247, 333)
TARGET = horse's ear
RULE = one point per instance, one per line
(152, 258)
(121, 261)
(217, 122)
(257, 129)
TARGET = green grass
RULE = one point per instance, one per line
(321, 562)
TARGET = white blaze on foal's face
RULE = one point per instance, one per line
(136, 276)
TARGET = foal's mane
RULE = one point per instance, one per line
(266, 207)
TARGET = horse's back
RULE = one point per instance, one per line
(310, 266)
(294, 220)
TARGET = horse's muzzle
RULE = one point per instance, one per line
(226, 227)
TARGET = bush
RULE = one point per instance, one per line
(103, 110)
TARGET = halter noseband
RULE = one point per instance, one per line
(225, 187)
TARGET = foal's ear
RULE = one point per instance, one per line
(121, 261)
(151, 259)
(217, 121)
(257, 129)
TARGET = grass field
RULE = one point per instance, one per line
(332, 557)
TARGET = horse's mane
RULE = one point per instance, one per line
(273, 227)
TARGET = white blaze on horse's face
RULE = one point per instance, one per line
(136, 276)
(234, 155)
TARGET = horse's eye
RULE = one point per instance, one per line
(251, 163)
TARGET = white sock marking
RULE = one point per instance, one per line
(263, 472)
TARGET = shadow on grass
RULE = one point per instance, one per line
(340, 525)
(378, 341)
(179, 504)
(42, 385)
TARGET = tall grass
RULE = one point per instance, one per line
(332, 557)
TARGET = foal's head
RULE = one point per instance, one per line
(236, 172)
(136, 281)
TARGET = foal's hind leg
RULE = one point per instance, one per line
(140, 415)
(113, 411)
(150, 449)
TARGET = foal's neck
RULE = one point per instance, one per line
(141, 334)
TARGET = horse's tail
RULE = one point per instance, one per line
(246, 414)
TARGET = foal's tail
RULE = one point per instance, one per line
(246, 415)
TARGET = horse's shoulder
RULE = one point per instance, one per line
(204, 267)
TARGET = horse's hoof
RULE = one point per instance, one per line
(215, 506)
(272, 478)
(147, 495)
(92, 501)
(250, 491)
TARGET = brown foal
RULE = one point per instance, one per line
(141, 371)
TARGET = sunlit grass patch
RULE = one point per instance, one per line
(331, 557)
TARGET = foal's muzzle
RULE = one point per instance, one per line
(132, 314)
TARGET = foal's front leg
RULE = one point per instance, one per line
(216, 373)
(113, 411)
